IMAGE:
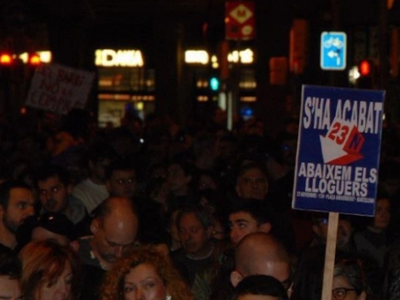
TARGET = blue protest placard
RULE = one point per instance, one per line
(338, 150)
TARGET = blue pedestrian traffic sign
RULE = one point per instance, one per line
(333, 50)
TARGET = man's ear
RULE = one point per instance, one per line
(95, 225)
(265, 227)
(236, 277)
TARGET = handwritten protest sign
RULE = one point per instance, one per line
(59, 89)
(338, 150)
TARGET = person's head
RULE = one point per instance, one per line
(207, 180)
(389, 177)
(17, 202)
(259, 253)
(114, 230)
(10, 272)
(349, 281)
(382, 213)
(121, 179)
(157, 190)
(320, 228)
(49, 271)
(180, 176)
(100, 157)
(54, 188)
(252, 182)
(195, 227)
(144, 274)
(248, 216)
(260, 287)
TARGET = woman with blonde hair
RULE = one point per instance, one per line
(145, 274)
(50, 271)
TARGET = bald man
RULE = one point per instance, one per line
(114, 231)
(260, 253)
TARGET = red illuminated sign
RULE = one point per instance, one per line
(239, 20)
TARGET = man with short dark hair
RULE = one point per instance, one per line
(252, 182)
(55, 194)
(121, 179)
(17, 203)
(246, 217)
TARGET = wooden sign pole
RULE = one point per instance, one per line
(330, 255)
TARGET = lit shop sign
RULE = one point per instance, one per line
(119, 58)
(244, 56)
(201, 57)
(196, 57)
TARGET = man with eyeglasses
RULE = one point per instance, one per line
(55, 196)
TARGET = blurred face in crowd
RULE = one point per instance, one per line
(98, 170)
(10, 288)
(57, 288)
(113, 236)
(177, 179)
(123, 183)
(160, 195)
(20, 206)
(194, 236)
(242, 223)
(143, 282)
(206, 182)
(252, 184)
(382, 214)
(53, 194)
(343, 232)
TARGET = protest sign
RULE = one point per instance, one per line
(338, 150)
(59, 89)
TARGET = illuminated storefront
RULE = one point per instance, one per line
(123, 84)
(209, 87)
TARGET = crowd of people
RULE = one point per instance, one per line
(152, 211)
